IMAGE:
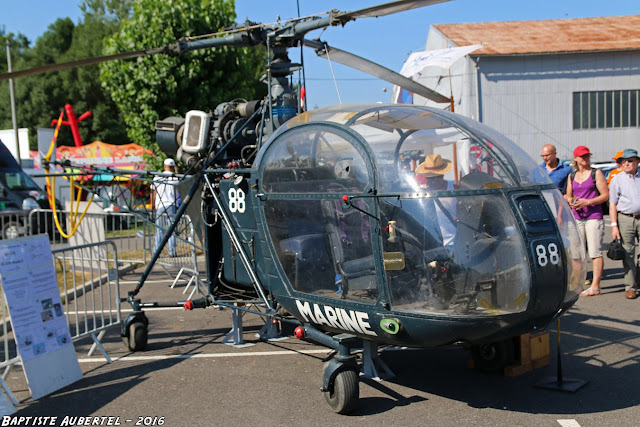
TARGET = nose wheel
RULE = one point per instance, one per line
(137, 338)
(344, 393)
(493, 356)
(135, 331)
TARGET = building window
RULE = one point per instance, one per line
(606, 109)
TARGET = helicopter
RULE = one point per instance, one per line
(365, 224)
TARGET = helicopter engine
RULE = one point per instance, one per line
(235, 123)
(239, 125)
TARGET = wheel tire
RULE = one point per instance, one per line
(137, 339)
(494, 356)
(11, 230)
(345, 394)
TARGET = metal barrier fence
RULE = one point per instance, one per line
(9, 349)
(127, 230)
(90, 288)
(184, 256)
(134, 234)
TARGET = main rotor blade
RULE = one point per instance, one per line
(354, 61)
(385, 9)
(245, 37)
(82, 62)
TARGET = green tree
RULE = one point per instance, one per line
(40, 98)
(153, 87)
(19, 43)
(82, 85)
(34, 94)
(109, 10)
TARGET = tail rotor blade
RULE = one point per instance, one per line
(354, 61)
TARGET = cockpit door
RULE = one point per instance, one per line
(324, 244)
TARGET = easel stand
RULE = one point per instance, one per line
(559, 383)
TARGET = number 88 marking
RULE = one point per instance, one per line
(236, 200)
(553, 255)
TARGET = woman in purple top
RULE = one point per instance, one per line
(586, 191)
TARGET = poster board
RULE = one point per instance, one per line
(30, 288)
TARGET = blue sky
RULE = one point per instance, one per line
(388, 40)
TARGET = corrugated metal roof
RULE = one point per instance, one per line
(547, 36)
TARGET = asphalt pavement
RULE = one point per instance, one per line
(187, 376)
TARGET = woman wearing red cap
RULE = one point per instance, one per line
(586, 191)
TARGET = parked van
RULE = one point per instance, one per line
(19, 195)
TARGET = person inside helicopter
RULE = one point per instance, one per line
(430, 176)
(454, 268)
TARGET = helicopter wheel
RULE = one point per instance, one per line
(494, 356)
(137, 338)
(344, 396)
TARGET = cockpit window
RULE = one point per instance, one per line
(454, 256)
(316, 161)
(403, 137)
(441, 159)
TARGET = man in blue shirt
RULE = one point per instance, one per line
(558, 171)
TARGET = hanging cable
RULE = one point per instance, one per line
(303, 86)
(326, 47)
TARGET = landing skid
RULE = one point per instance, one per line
(269, 332)
(235, 336)
(373, 366)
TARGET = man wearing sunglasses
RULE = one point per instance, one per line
(624, 212)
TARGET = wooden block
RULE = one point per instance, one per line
(540, 346)
(525, 349)
(534, 353)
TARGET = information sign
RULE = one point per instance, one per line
(30, 287)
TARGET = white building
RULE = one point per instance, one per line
(566, 82)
